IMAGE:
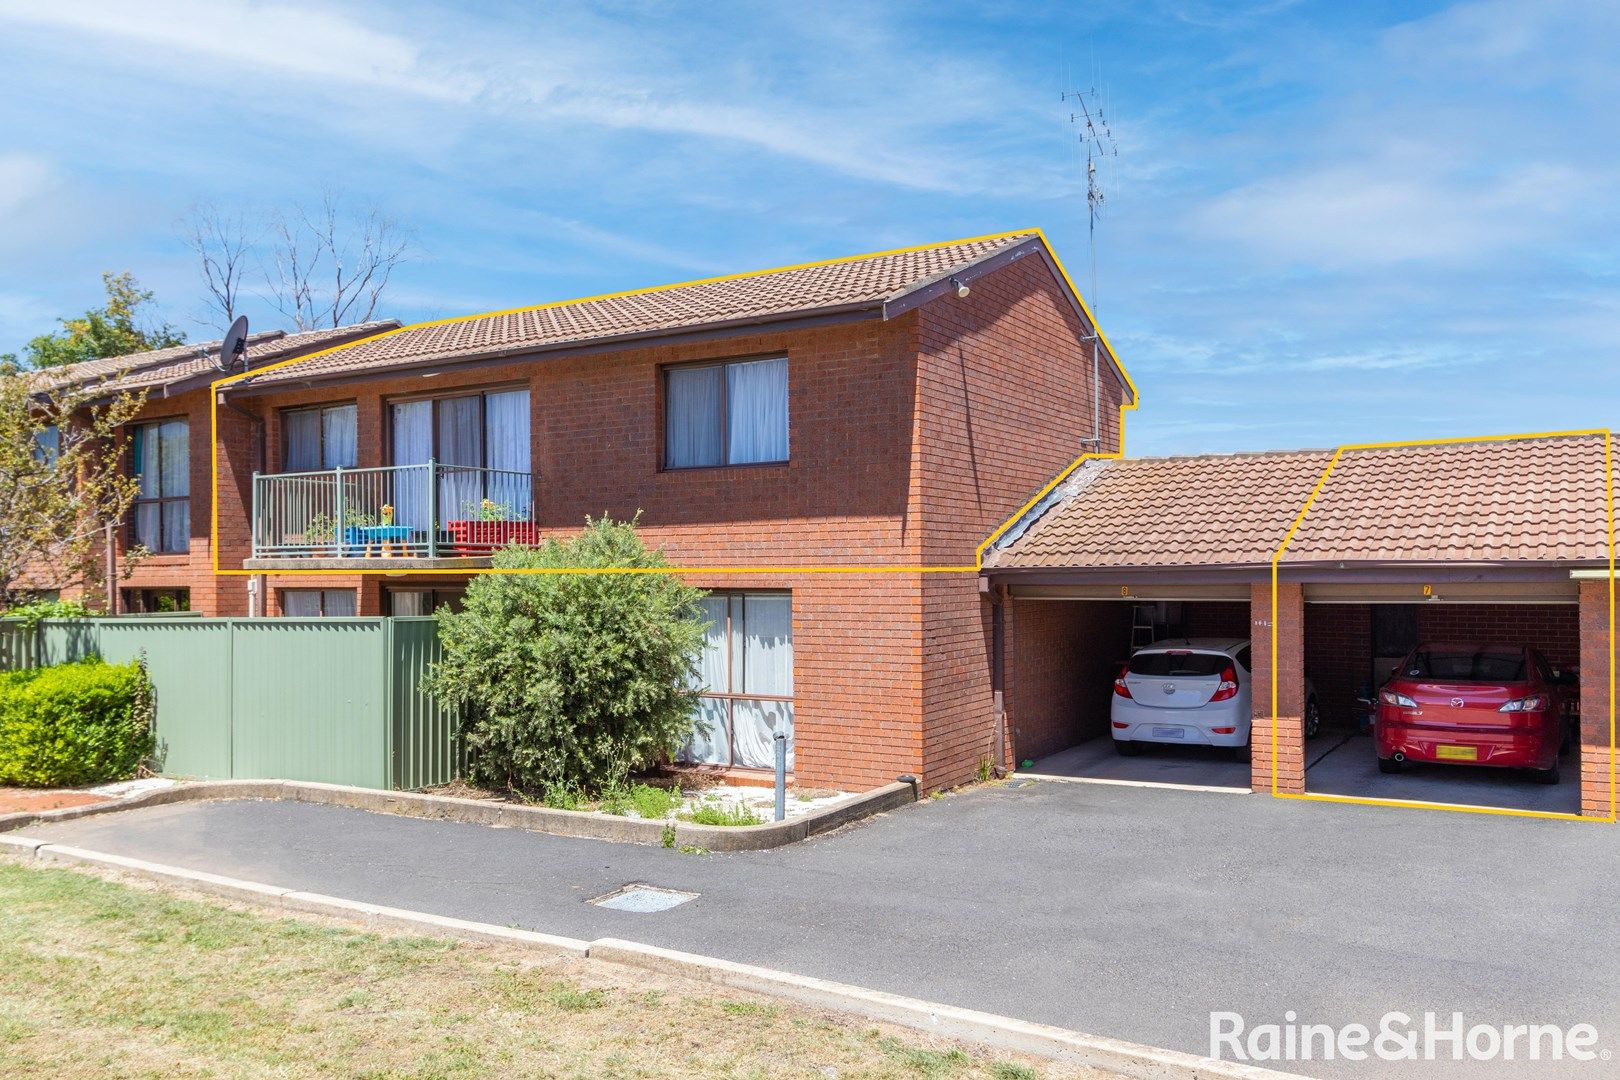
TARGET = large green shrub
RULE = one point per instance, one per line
(571, 680)
(79, 723)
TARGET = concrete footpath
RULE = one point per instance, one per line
(1123, 912)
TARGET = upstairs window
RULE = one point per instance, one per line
(321, 438)
(726, 414)
(162, 467)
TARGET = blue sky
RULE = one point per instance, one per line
(1327, 222)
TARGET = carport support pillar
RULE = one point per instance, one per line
(1289, 628)
(1597, 771)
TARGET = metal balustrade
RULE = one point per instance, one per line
(403, 511)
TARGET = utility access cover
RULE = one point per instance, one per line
(643, 899)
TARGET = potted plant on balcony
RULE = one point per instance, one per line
(319, 532)
(488, 526)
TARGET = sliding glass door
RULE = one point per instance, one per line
(469, 436)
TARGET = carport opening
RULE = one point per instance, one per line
(1351, 650)
(1063, 656)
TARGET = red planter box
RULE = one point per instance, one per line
(484, 537)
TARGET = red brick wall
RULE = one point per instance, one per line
(1338, 658)
(1552, 628)
(193, 569)
(1289, 629)
(1597, 683)
(1215, 618)
(1003, 404)
(1062, 657)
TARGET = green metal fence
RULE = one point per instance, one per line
(333, 700)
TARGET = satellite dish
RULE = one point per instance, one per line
(233, 350)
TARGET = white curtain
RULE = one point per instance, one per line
(413, 445)
(709, 740)
(303, 430)
(339, 448)
(175, 481)
(461, 442)
(506, 445)
(315, 603)
(301, 603)
(764, 639)
(692, 417)
(757, 411)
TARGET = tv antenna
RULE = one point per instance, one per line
(233, 350)
(1088, 119)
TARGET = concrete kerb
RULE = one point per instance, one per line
(501, 814)
(1007, 1033)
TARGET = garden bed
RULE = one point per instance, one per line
(702, 803)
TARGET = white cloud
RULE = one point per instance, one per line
(237, 41)
(24, 179)
(1391, 209)
(578, 69)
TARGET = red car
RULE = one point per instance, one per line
(1496, 705)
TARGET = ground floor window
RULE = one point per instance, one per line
(405, 601)
(747, 681)
(316, 603)
(146, 601)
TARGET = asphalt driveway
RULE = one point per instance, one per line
(1116, 910)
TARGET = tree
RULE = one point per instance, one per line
(570, 679)
(60, 480)
(222, 244)
(115, 329)
(330, 267)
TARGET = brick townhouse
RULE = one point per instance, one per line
(168, 450)
(878, 415)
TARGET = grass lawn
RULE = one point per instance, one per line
(102, 979)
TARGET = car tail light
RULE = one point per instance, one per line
(1120, 724)
(1120, 689)
(1534, 703)
(1224, 730)
(1228, 687)
(1390, 697)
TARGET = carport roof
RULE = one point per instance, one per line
(1513, 501)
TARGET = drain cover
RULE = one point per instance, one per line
(643, 899)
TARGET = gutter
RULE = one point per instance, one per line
(1310, 573)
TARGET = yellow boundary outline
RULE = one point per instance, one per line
(1276, 560)
(978, 560)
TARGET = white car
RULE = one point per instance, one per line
(1191, 692)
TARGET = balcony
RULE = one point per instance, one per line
(348, 519)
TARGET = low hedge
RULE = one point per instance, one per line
(82, 723)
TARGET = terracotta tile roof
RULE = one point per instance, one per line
(1514, 500)
(109, 366)
(165, 367)
(763, 295)
(1523, 499)
(1177, 511)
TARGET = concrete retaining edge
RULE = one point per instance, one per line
(489, 812)
(949, 1021)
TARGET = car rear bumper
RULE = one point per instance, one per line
(1134, 722)
(1506, 749)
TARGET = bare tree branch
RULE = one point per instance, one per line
(221, 243)
(331, 268)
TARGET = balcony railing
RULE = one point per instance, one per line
(406, 511)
